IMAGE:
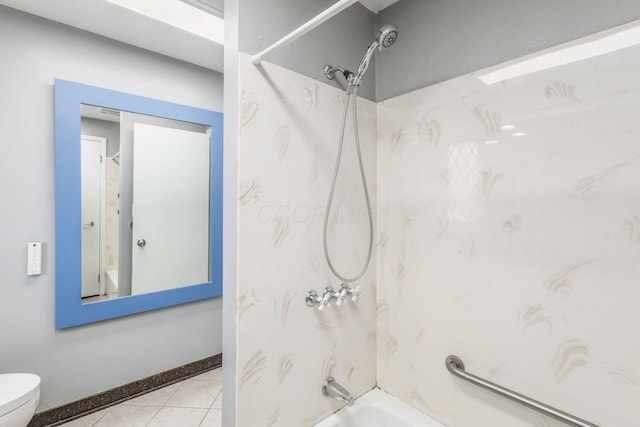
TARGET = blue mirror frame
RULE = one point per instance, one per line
(69, 309)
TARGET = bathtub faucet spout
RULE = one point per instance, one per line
(332, 389)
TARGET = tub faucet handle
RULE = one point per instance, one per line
(328, 296)
(354, 293)
(341, 294)
(312, 299)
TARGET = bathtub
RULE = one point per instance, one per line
(379, 409)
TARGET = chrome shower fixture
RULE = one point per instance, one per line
(385, 38)
(332, 389)
(330, 296)
(330, 72)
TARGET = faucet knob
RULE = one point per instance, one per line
(354, 293)
(312, 299)
(341, 295)
(328, 296)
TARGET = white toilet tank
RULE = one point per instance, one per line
(19, 398)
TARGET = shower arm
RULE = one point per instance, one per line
(353, 79)
(330, 72)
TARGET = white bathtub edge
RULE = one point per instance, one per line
(379, 399)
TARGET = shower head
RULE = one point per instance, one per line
(386, 36)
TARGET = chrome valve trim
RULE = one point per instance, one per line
(330, 296)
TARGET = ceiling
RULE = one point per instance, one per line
(135, 27)
(373, 5)
(377, 5)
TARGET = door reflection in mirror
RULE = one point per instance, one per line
(145, 203)
(93, 178)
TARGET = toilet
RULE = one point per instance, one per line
(19, 398)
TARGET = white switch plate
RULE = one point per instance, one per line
(34, 258)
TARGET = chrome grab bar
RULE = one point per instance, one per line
(456, 367)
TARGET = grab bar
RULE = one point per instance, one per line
(456, 367)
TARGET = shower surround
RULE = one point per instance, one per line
(508, 233)
(289, 128)
(510, 230)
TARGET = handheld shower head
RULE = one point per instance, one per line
(385, 37)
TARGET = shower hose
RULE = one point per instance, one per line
(364, 189)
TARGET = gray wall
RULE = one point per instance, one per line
(442, 39)
(438, 40)
(342, 40)
(80, 361)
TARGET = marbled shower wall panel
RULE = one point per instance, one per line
(510, 236)
(289, 127)
(112, 213)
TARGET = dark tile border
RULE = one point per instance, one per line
(79, 408)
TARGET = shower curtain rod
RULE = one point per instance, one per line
(303, 29)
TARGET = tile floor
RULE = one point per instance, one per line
(196, 402)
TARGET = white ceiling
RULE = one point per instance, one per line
(377, 5)
(137, 29)
(99, 16)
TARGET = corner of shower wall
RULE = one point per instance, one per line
(288, 135)
(510, 234)
(339, 41)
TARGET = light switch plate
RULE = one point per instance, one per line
(34, 258)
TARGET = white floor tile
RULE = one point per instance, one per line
(194, 402)
(217, 404)
(195, 394)
(213, 419)
(87, 420)
(178, 417)
(215, 374)
(128, 416)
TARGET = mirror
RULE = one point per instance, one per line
(138, 204)
(156, 171)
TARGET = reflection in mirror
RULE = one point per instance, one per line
(138, 204)
(145, 203)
